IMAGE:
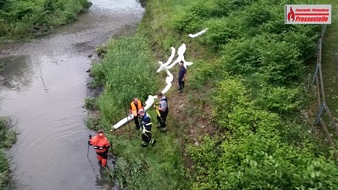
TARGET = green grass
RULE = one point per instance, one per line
(159, 26)
(127, 71)
(146, 168)
(165, 165)
(33, 18)
(291, 128)
(7, 138)
(329, 61)
(330, 67)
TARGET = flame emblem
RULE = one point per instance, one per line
(291, 15)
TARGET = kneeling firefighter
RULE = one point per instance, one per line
(146, 129)
(101, 146)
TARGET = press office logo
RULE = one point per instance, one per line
(307, 14)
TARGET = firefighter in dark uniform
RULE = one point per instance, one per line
(146, 129)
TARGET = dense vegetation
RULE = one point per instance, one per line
(256, 68)
(26, 18)
(257, 99)
(7, 138)
(125, 73)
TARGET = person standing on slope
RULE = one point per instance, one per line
(101, 146)
(135, 106)
(181, 76)
(146, 129)
(162, 111)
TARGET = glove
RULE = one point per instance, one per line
(89, 143)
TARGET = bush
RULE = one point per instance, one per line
(260, 162)
(224, 8)
(7, 139)
(305, 39)
(280, 99)
(192, 19)
(278, 61)
(90, 104)
(262, 147)
(34, 18)
(5, 182)
(205, 74)
(195, 16)
(256, 15)
(221, 31)
(229, 93)
(7, 135)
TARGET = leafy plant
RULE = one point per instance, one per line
(33, 18)
(90, 104)
(7, 139)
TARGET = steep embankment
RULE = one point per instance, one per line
(240, 123)
(24, 19)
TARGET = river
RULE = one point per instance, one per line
(44, 95)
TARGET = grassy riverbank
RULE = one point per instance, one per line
(241, 122)
(32, 18)
(7, 138)
(127, 71)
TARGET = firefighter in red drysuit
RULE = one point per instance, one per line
(101, 146)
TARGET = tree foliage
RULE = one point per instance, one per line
(24, 18)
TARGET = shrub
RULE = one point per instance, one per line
(224, 8)
(229, 93)
(93, 123)
(33, 18)
(8, 138)
(221, 31)
(7, 135)
(193, 17)
(5, 182)
(280, 99)
(90, 104)
(305, 39)
(278, 61)
(260, 161)
(241, 56)
(256, 100)
(204, 74)
(256, 14)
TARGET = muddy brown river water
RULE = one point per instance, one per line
(44, 95)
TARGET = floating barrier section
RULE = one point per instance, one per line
(169, 79)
